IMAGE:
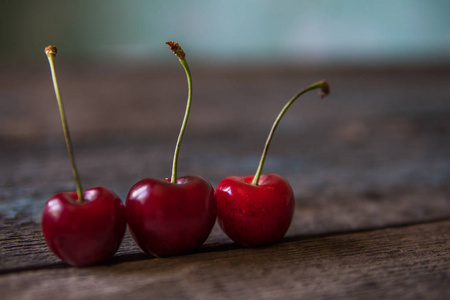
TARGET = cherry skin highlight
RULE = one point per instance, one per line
(84, 233)
(169, 219)
(255, 216)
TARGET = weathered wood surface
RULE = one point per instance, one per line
(410, 262)
(370, 168)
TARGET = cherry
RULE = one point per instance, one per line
(172, 216)
(84, 233)
(167, 218)
(257, 210)
(83, 228)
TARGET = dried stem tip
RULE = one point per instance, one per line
(50, 50)
(325, 89)
(176, 49)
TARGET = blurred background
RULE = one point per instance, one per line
(321, 32)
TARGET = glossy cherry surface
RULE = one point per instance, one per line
(169, 219)
(255, 215)
(84, 233)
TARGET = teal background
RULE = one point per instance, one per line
(319, 32)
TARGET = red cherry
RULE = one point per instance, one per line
(255, 215)
(172, 216)
(168, 218)
(83, 227)
(257, 210)
(84, 233)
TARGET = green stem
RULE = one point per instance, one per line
(323, 85)
(185, 119)
(51, 52)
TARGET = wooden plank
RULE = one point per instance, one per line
(410, 262)
(22, 244)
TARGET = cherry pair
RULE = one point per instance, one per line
(171, 216)
(166, 217)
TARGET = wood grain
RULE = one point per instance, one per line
(411, 262)
(23, 245)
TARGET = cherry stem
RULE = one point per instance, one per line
(50, 51)
(324, 90)
(178, 51)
